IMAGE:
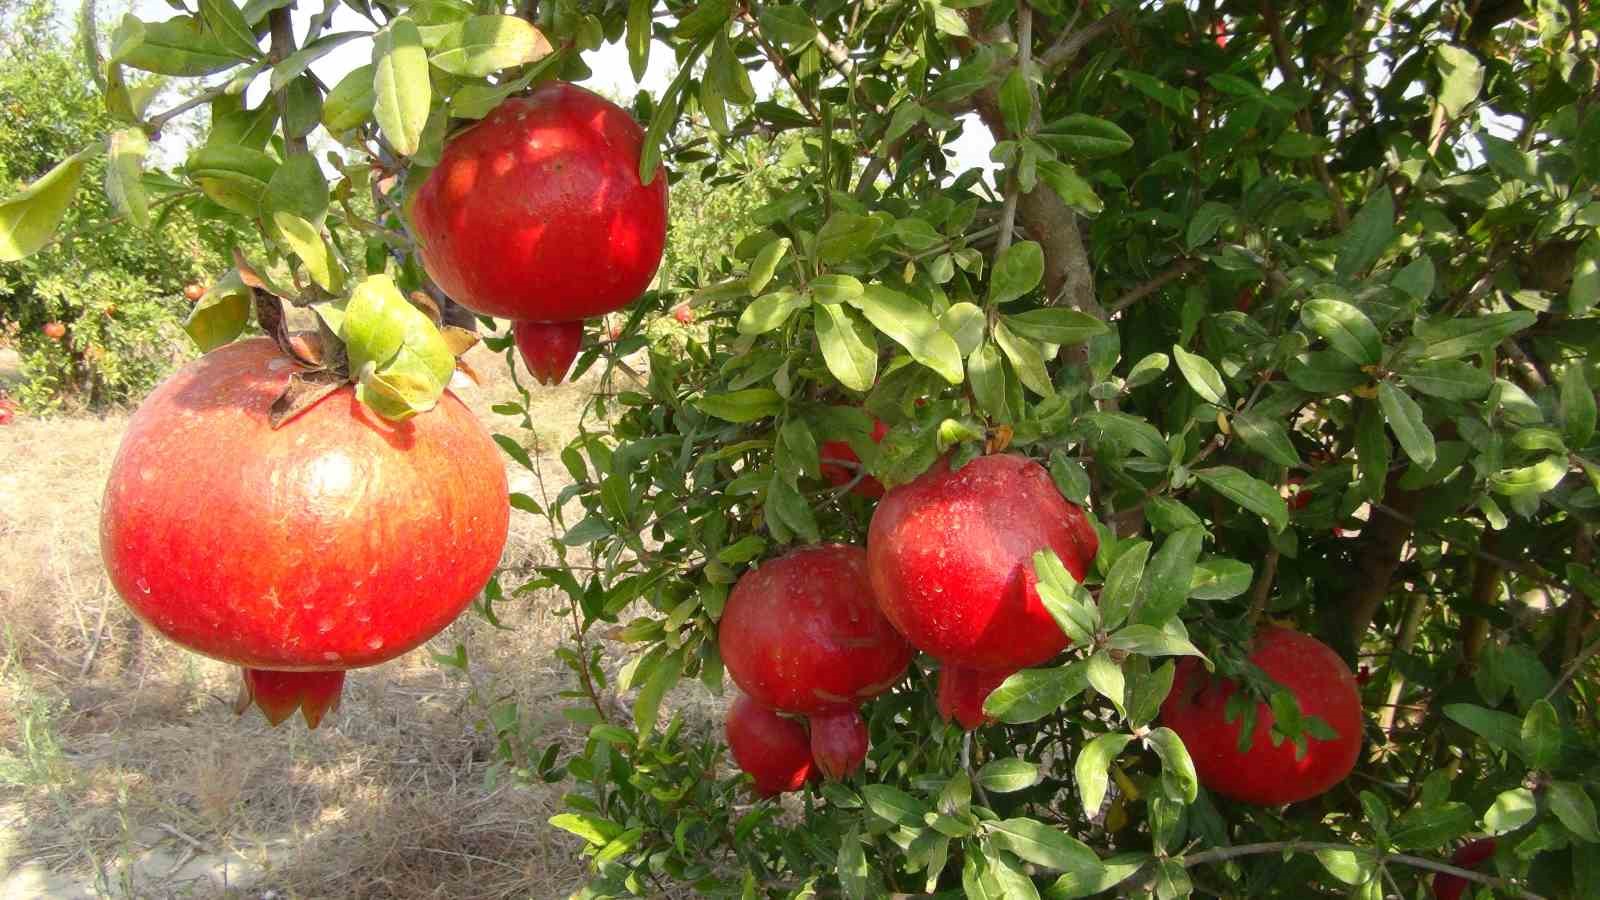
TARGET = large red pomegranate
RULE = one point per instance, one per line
(537, 212)
(834, 452)
(773, 750)
(548, 347)
(1471, 855)
(801, 634)
(336, 541)
(951, 560)
(1265, 774)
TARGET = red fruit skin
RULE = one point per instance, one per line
(839, 743)
(193, 292)
(840, 451)
(1268, 775)
(683, 314)
(537, 212)
(55, 331)
(951, 560)
(801, 633)
(548, 348)
(339, 540)
(773, 750)
(1471, 855)
(279, 694)
(962, 692)
(8, 411)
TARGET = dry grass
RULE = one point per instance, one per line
(124, 772)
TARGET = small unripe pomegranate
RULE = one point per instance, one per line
(548, 348)
(537, 213)
(951, 560)
(833, 452)
(55, 331)
(772, 749)
(335, 541)
(193, 291)
(839, 743)
(801, 634)
(1269, 775)
(683, 313)
(615, 331)
(1471, 855)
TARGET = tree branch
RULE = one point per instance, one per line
(1292, 76)
(1174, 272)
(1071, 43)
(282, 46)
(1222, 854)
(1379, 557)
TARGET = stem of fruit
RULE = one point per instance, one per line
(282, 46)
(1221, 854)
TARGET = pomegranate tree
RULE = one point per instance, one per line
(800, 634)
(335, 541)
(774, 750)
(951, 561)
(1269, 774)
(548, 348)
(537, 213)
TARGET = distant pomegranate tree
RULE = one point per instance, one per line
(1039, 511)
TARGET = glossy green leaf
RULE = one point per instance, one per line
(1007, 774)
(220, 315)
(1202, 376)
(1090, 771)
(1267, 437)
(1032, 694)
(1168, 576)
(1178, 778)
(483, 45)
(747, 405)
(227, 26)
(1448, 338)
(910, 324)
(1121, 589)
(181, 46)
(1026, 361)
(1017, 272)
(1248, 492)
(128, 147)
(1084, 136)
(305, 239)
(1577, 405)
(1042, 845)
(1405, 418)
(1055, 325)
(29, 218)
(1347, 329)
(771, 311)
(401, 87)
(1370, 233)
(851, 356)
(1448, 379)
(1574, 807)
(765, 265)
(1462, 77)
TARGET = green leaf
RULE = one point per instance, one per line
(1541, 736)
(769, 312)
(483, 45)
(851, 357)
(1530, 481)
(179, 46)
(1462, 77)
(965, 323)
(1016, 272)
(854, 876)
(1430, 827)
(1026, 361)
(747, 405)
(845, 236)
(401, 361)
(1205, 223)
(1090, 771)
(297, 62)
(1573, 806)
(1449, 379)
(1371, 230)
(401, 87)
(29, 218)
(1121, 589)
(1355, 867)
(1168, 576)
(1106, 677)
(910, 324)
(1178, 777)
(597, 830)
(221, 314)
(1063, 598)
(837, 289)
(1108, 874)
(350, 102)
(1055, 325)
(1042, 845)
(299, 187)
(1416, 279)
(1585, 290)
(705, 19)
(227, 25)
(1372, 449)
(1249, 492)
(1404, 416)
(1084, 137)
(1130, 431)
(1149, 640)
(1267, 437)
(1502, 730)
(1220, 579)
(128, 147)
(1032, 694)
(306, 241)
(639, 36)
(1510, 811)
(789, 26)
(1016, 102)
(765, 265)
(1203, 377)
(1073, 189)
(894, 805)
(1448, 338)
(1347, 329)
(1007, 774)
(647, 706)
(791, 509)
(1577, 405)
(987, 376)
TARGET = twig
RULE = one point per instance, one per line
(1071, 43)
(1292, 76)
(1176, 271)
(160, 120)
(183, 837)
(1221, 854)
(94, 645)
(282, 47)
(1397, 679)
(1008, 213)
(1571, 670)
(1263, 588)
(777, 61)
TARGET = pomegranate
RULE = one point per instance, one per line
(839, 451)
(773, 750)
(683, 313)
(548, 347)
(55, 331)
(337, 541)
(193, 291)
(801, 634)
(537, 212)
(1472, 855)
(1269, 775)
(8, 411)
(950, 555)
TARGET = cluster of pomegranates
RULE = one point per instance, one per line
(537, 214)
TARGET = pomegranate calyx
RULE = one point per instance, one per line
(279, 694)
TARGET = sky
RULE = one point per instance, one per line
(612, 74)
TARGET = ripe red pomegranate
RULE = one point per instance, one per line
(772, 749)
(683, 313)
(55, 331)
(548, 347)
(1472, 855)
(8, 411)
(1268, 775)
(193, 291)
(537, 212)
(337, 541)
(951, 561)
(839, 451)
(801, 634)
